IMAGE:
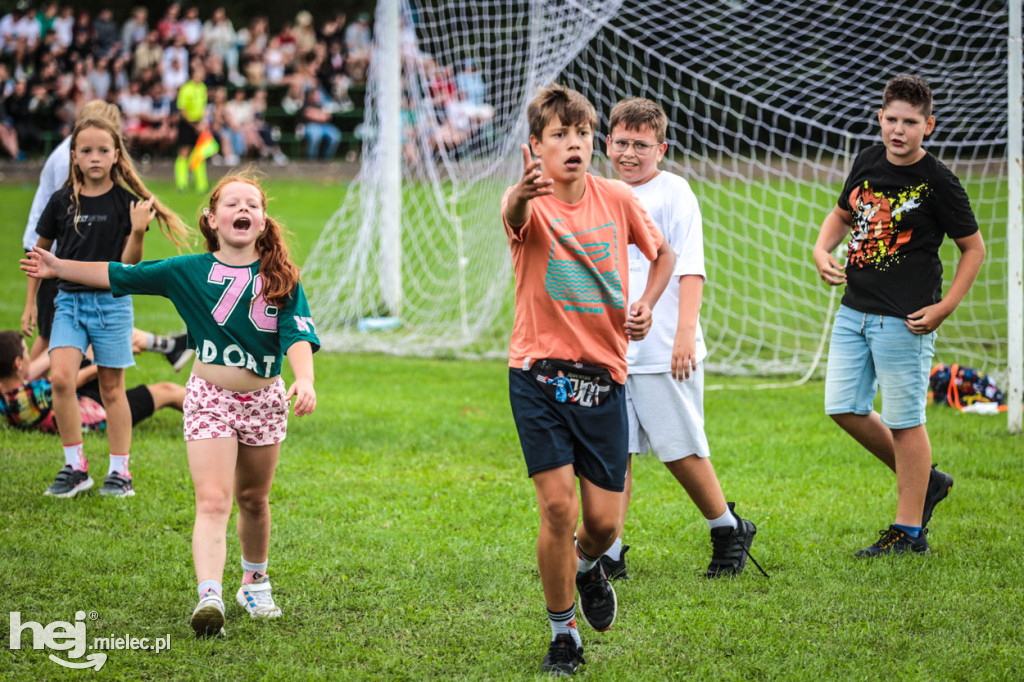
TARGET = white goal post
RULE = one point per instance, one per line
(767, 102)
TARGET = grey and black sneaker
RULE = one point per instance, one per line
(69, 482)
(116, 485)
(892, 540)
(730, 547)
(939, 485)
(615, 570)
(563, 656)
(180, 354)
(597, 598)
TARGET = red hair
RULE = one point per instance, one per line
(280, 275)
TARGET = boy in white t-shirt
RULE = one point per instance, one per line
(665, 386)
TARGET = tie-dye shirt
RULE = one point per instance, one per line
(901, 214)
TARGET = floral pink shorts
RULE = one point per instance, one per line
(254, 418)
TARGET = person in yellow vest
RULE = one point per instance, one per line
(192, 100)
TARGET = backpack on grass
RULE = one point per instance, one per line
(962, 387)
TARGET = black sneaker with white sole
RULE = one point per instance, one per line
(730, 547)
(597, 598)
(116, 485)
(180, 354)
(563, 657)
(69, 482)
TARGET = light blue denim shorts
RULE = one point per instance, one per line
(97, 318)
(869, 353)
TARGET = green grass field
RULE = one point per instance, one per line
(404, 531)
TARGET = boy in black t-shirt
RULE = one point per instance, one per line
(900, 202)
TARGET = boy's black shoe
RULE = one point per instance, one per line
(939, 485)
(730, 547)
(597, 598)
(615, 570)
(563, 656)
(180, 354)
(895, 541)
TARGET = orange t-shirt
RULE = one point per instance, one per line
(572, 275)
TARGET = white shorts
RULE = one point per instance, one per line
(667, 416)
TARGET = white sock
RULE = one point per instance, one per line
(159, 344)
(615, 551)
(119, 465)
(564, 623)
(210, 586)
(585, 562)
(726, 519)
(74, 456)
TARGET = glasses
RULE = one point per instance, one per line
(640, 148)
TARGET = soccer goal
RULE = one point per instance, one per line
(768, 102)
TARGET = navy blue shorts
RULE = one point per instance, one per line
(552, 434)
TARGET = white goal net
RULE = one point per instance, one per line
(768, 102)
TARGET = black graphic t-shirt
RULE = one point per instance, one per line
(103, 224)
(900, 216)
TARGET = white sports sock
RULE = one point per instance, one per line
(585, 563)
(74, 456)
(564, 623)
(119, 464)
(615, 551)
(210, 585)
(726, 519)
(159, 344)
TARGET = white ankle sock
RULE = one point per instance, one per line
(615, 551)
(74, 456)
(726, 519)
(119, 464)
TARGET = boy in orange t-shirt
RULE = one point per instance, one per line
(568, 232)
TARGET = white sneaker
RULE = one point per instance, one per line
(255, 598)
(208, 618)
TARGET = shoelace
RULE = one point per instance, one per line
(889, 537)
(720, 552)
(560, 651)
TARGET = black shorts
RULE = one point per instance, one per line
(595, 440)
(187, 135)
(45, 296)
(140, 400)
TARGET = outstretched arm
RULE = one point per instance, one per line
(41, 264)
(530, 186)
(300, 357)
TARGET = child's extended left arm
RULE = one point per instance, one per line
(972, 254)
(300, 357)
(142, 215)
(639, 321)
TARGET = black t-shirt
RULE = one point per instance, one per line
(103, 224)
(900, 216)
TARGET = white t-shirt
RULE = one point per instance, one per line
(53, 176)
(673, 208)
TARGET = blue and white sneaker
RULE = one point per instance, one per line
(256, 600)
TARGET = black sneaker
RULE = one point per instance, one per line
(730, 547)
(939, 485)
(69, 482)
(895, 541)
(116, 485)
(597, 598)
(563, 656)
(615, 570)
(180, 353)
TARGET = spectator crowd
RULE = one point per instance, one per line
(55, 59)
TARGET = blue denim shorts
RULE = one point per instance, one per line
(95, 317)
(869, 353)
